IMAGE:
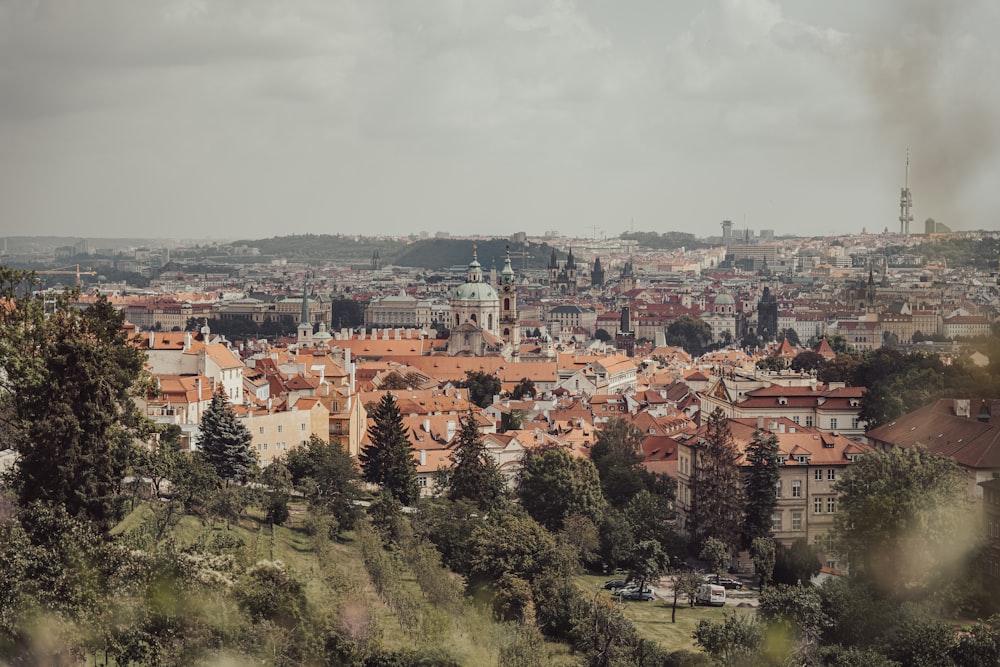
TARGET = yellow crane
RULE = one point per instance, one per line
(66, 271)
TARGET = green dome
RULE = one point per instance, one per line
(474, 292)
(724, 300)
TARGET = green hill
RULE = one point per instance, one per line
(443, 253)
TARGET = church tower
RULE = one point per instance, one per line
(571, 269)
(597, 274)
(305, 331)
(510, 327)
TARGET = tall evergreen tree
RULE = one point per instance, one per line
(474, 475)
(760, 479)
(388, 460)
(225, 442)
(68, 386)
(716, 493)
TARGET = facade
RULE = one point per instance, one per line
(475, 316)
(568, 318)
(811, 462)
(831, 408)
(562, 279)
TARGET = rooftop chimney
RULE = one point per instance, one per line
(423, 457)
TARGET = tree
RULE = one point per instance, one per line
(525, 388)
(796, 564)
(328, 475)
(388, 460)
(474, 475)
(649, 562)
(789, 334)
(798, 609)
(602, 336)
(901, 515)
(842, 368)
(764, 551)
(716, 552)
(69, 383)
(553, 484)
(511, 420)
(736, 640)
(760, 478)
(225, 441)
(510, 543)
(687, 584)
(617, 455)
(346, 313)
(482, 387)
(716, 493)
(807, 361)
(689, 333)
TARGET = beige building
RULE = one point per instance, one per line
(811, 462)
(274, 433)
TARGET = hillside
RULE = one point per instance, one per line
(442, 253)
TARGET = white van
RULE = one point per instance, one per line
(711, 594)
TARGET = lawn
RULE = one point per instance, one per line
(652, 619)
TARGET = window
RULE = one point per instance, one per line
(809, 421)
(422, 482)
(776, 521)
(777, 489)
(279, 428)
(796, 520)
(797, 489)
(261, 430)
(855, 423)
(302, 426)
(795, 419)
(818, 474)
(831, 505)
(263, 447)
(817, 505)
(831, 474)
(833, 422)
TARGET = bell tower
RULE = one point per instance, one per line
(510, 328)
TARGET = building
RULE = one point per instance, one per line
(562, 279)
(810, 462)
(475, 316)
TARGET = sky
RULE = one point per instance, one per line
(252, 118)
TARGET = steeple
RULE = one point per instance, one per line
(475, 274)
(570, 263)
(304, 318)
(553, 260)
(507, 273)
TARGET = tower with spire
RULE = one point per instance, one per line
(305, 330)
(510, 326)
(905, 201)
(562, 279)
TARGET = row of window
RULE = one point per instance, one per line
(831, 475)
(776, 518)
(302, 427)
(834, 422)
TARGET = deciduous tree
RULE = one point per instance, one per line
(902, 517)
(553, 483)
(69, 383)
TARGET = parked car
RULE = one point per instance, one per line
(644, 595)
(726, 582)
(614, 584)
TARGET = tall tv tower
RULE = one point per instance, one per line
(905, 201)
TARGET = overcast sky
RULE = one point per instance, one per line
(255, 118)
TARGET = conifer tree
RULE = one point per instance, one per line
(474, 475)
(388, 460)
(225, 442)
(716, 493)
(759, 484)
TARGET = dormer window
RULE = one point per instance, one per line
(782, 400)
(855, 402)
(782, 460)
(802, 458)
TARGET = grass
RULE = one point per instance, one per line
(652, 619)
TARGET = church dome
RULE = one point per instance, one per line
(474, 292)
(724, 300)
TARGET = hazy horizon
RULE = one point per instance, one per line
(247, 120)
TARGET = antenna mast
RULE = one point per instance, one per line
(905, 201)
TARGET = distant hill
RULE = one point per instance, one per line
(339, 247)
(442, 253)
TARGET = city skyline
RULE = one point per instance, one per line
(247, 120)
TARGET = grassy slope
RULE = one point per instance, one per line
(336, 580)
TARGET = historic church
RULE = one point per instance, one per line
(484, 323)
